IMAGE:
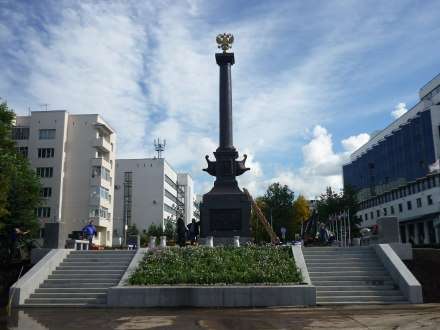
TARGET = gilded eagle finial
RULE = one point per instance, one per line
(225, 41)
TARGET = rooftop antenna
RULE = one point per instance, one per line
(45, 105)
(159, 146)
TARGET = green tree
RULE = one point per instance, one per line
(19, 188)
(170, 229)
(332, 203)
(301, 210)
(279, 207)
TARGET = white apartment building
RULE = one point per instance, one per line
(150, 191)
(74, 157)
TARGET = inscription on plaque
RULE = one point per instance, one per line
(225, 219)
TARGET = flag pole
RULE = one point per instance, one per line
(349, 227)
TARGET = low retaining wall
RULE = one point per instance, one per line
(211, 296)
(408, 284)
(134, 263)
(301, 263)
(25, 286)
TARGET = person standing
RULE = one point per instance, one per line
(90, 231)
(181, 232)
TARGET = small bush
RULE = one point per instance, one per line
(219, 265)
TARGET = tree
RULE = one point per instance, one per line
(19, 188)
(301, 211)
(170, 229)
(331, 203)
(279, 207)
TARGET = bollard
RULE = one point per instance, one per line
(237, 241)
(163, 241)
(210, 241)
(152, 243)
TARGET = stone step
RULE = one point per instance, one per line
(95, 259)
(321, 259)
(336, 248)
(342, 263)
(82, 276)
(316, 256)
(73, 290)
(354, 288)
(77, 284)
(69, 295)
(360, 298)
(344, 268)
(132, 252)
(342, 272)
(65, 305)
(363, 293)
(85, 272)
(91, 267)
(358, 302)
(356, 282)
(59, 301)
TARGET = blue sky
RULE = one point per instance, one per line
(312, 79)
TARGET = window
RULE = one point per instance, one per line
(99, 212)
(385, 211)
(43, 212)
(96, 171)
(46, 192)
(46, 134)
(103, 213)
(104, 193)
(169, 209)
(378, 213)
(371, 215)
(46, 152)
(22, 151)
(429, 199)
(400, 208)
(170, 195)
(45, 172)
(409, 205)
(419, 202)
(170, 182)
(392, 209)
(366, 216)
(20, 133)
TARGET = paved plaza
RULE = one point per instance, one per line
(349, 317)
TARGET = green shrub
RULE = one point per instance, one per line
(219, 265)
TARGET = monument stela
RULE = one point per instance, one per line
(225, 210)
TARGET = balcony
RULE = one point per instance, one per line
(101, 222)
(101, 162)
(102, 145)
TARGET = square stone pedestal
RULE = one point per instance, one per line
(225, 215)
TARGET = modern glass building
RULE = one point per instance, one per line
(397, 172)
(402, 152)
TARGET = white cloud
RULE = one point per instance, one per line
(354, 142)
(322, 166)
(399, 110)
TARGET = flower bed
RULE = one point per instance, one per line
(219, 265)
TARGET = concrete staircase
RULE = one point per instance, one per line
(82, 279)
(350, 276)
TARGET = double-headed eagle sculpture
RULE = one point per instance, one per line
(225, 41)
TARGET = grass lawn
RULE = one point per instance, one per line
(219, 265)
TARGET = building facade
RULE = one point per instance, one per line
(73, 155)
(149, 191)
(393, 172)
